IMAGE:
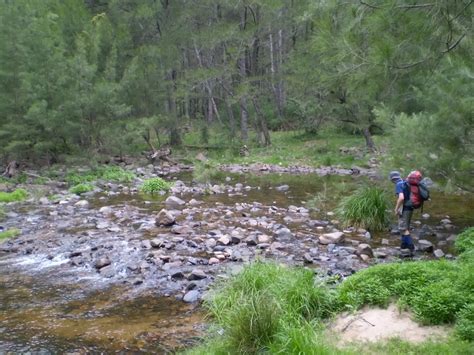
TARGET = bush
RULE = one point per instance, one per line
(434, 290)
(367, 208)
(154, 185)
(465, 322)
(205, 171)
(465, 241)
(81, 188)
(13, 232)
(17, 195)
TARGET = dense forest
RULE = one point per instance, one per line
(109, 76)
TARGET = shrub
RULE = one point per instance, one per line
(367, 208)
(465, 322)
(465, 241)
(81, 188)
(154, 185)
(13, 232)
(109, 173)
(17, 195)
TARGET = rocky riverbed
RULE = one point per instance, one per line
(175, 245)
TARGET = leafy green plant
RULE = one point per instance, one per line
(13, 232)
(17, 195)
(115, 173)
(154, 185)
(465, 241)
(465, 322)
(366, 208)
(81, 188)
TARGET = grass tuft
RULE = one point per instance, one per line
(17, 195)
(81, 188)
(366, 208)
(13, 232)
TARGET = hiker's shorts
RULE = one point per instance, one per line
(404, 220)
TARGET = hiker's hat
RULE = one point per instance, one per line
(395, 175)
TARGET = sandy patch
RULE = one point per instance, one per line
(374, 324)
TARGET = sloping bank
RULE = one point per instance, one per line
(271, 308)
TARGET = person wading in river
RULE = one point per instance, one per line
(403, 211)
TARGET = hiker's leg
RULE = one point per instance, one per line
(404, 226)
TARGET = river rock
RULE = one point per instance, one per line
(328, 238)
(174, 202)
(106, 210)
(44, 201)
(263, 238)
(364, 249)
(251, 240)
(224, 240)
(282, 188)
(284, 234)
(438, 253)
(107, 271)
(157, 243)
(307, 258)
(192, 296)
(425, 216)
(197, 274)
(164, 218)
(181, 229)
(425, 246)
(176, 274)
(102, 262)
(213, 261)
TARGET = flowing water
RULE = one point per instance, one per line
(44, 314)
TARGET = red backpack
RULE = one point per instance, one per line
(419, 193)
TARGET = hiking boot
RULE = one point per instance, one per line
(406, 253)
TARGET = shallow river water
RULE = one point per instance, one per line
(40, 312)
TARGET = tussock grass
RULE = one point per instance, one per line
(366, 208)
(81, 188)
(17, 195)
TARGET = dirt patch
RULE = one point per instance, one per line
(374, 324)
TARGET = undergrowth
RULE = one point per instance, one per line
(366, 208)
(108, 173)
(154, 185)
(81, 188)
(17, 195)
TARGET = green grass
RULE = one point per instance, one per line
(205, 171)
(79, 189)
(269, 308)
(366, 208)
(13, 232)
(17, 195)
(288, 148)
(154, 185)
(108, 173)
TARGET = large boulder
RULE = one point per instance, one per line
(331, 238)
(365, 249)
(164, 218)
(173, 202)
(425, 246)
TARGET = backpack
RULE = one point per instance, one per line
(419, 192)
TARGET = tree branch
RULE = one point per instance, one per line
(454, 45)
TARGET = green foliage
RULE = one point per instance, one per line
(81, 188)
(259, 305)
(109, 173)
(435, 291)
(465, 241)
(465, 322)
(154, 185)
(366, 208)
(17, 195)
(13, 232)
(205, 171)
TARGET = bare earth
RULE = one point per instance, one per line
(374, 324)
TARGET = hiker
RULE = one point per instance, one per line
(403, 210)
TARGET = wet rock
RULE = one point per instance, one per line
(438, 253)
(425, 246)
(224, 240)
(213, 261)
(210, 243)
(176, 274)
(174, 202)
(425, 216)
(102, 225)
(107, 271)
(197, 274)
(102, 262)
(364, 249)
(146, 244)
(307, 258)
(380, 255)
(364, 257)
(157, 243)
(106, 210)
(251, 240)
(284, 234)
(194, 202)
(335, 237)
(192, 296)
(282, 188)
(82, 204)
(446, 221)
(176, 229)
(164, 218)
(263, 238)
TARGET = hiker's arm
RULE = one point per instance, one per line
(399, 204)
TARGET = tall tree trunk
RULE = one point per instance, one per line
(243, 104)
(368, 139)
(262, 123)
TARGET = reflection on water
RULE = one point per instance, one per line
(36, 315)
